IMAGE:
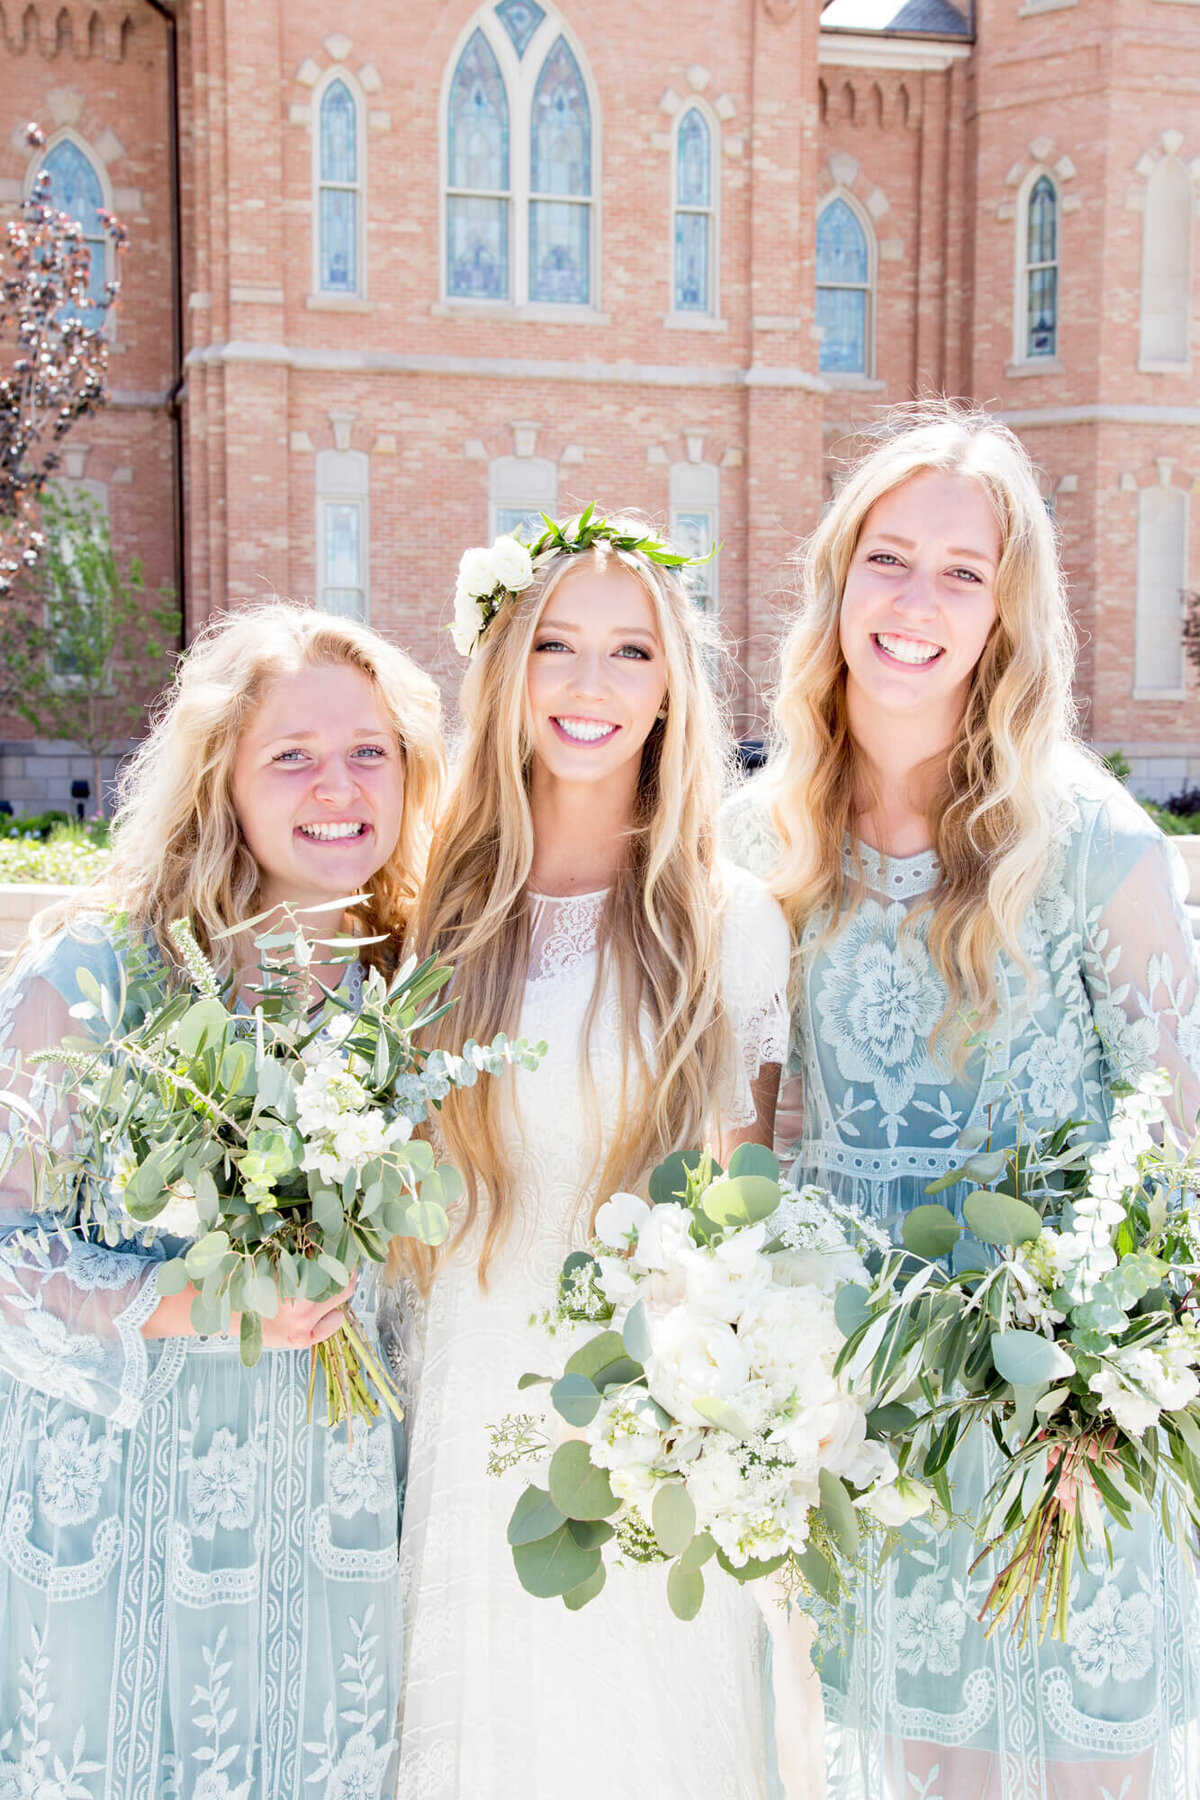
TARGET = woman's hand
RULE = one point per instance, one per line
(298, 1325)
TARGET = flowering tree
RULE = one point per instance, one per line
(1191, 627)
(60, 361)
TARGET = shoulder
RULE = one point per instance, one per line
(756, 943)
(1105, 833)
(94, 943)
(747, 833)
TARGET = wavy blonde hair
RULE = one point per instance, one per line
(660, 927)
(991, 817)
(177, 847)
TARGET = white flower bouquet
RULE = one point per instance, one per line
(1075, 1338)
(269, 1156)
(708, 1419)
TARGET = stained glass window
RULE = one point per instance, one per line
(1041, 270)
(343, 587)
(843, 289)
(560, 164)
(695, 533)
(477, 204)
(520, 18)
(339, 198)
(693, 214)
(75, 189)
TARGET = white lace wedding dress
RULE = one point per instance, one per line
(507, 1697)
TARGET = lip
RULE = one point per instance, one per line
(896, 662)
(565, 737)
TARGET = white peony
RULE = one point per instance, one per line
(620, 1219)
(625, 1430)
(694, 1358)
(512, 565)
(664, 1232)
(468, 621)
(477, 573)
(896, 1502)
(724, 1278)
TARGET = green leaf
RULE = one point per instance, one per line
(669, 1181)
(999, 1219)
(589, 1534)
(579, 1490)
(819, 1573)
(262, 1294)
(553, 1565)
(251, 1339)
(720, 1414)
(327, 1212)
(754, 1159)
(685, 1591)
(529, 1380)
(838, 1512)
(575, 1398)
(201, 1026)
(534, 1516)
(752, 1569)
(674, 1518)
(635, 1333)
(1027, 1359)
(742, 1200)
(698, 1551)
(586, 1590)
(426, 1221)
(206, 1254)
(930, 1231)
(172, 1276)
(605, 1348)
(893, 1417)
(987, 1166)
(851, 1308)
(1098, 1316)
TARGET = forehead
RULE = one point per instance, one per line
(935, 504)
(608, 598)
(308, 699)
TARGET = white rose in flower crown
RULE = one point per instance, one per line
(620, 1219)
(477, 573)
(468, 621)
(694, 1358)
(512, 564)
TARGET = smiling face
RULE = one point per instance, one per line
(596, 677)
(919, 600)
(318, 786)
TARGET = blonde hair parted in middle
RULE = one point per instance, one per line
(992, 813)
(661, 923)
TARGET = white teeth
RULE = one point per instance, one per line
(585, 731)
(328, 834)
(907, 650)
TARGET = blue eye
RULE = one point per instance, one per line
(968, 575)
(886, 557)
(285, 756)
(550, 644)
(634, 650)
(374, 751)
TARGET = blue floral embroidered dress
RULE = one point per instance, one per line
(918, 1702)
(198, 1590)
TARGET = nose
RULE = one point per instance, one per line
(334, 784)
(588, 675)
(917, 597)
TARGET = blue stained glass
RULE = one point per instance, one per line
(339, 131)
(693, 168)
(520, 18)
(1042, 222)
(562, 128)
(842, 316)
(691, 262)
(478, 120)
(1042, 316)
(75, 190)
(339, 241)
(841, 245)
(477, 248)
(559, 252)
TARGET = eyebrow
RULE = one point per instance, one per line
(616, 630)
(306, 737)
(889, 537)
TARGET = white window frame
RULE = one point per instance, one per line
(695, 491)
(851, 377)
(712, 212)
(520, 76)
(1021, 357)
(1142, 690)
(358, 187)
(521, 484)
(343, 478)
(1158, 365)
(38, 163)
(67, 488)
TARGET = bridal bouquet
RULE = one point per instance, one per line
(708, 1417)
(1078, 1344)
(273, 1151)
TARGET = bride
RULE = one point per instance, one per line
(575, 885)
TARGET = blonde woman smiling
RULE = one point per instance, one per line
(953, 864)
(574, 883)
(198, 1589)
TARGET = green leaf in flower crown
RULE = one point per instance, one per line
(674, 1518)
(577, 1488)
(589, 1534)
(1027, 1359)
(741, 1200)
(172, 1276)
(930, 1231)
(999, 1219)
(669, 1180)
(587, 1590)
(722, 1415)
(685, 1591)
(553, 1565)
(201, 1026)
(534, 1516)
(851, 1308)
(754, 1159)
(251, 1339)
(575, 1399)
(635, 1333)
(838, 1512)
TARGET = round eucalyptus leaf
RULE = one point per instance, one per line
(986, 1165)
(685, 1591)
(669, 1181)
(587, 1590)
(251, 1339)
(579, 1490)
(930, 1231)
(172, 1276)
(598, 1353)
(674, 1518)
(754, 1159)
(200, 1027)
(851, 1308)
(426, 1221)
(1027, 1359)
(751, 1570)
(999, 1219)
(553, 1565)
(698, 1551)
(589, 1534)
(741, 1200)
(575, 1399)
(534, 1516)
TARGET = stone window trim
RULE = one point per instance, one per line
(1023, 361)
(342, 479)
(322, 299)
(66, 134)
(520, 485)
(520, 74)
(855, 378)
(709, 317)
(694, 490)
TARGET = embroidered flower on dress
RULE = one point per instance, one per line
(1052, 1067)
(71, 1471)
(928, 1630)
(361, 1475)
(359, 1770)
(221, 1485)
(1112, 1640)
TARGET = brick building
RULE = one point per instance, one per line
(427, 268)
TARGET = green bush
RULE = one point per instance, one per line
(1174, 824)
(70, 856)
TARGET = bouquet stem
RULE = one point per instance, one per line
(355, 1379)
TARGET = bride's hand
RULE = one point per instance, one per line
(298, 1325)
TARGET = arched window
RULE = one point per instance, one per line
(695, 493)
(1167, 264)
(75, 189)
(694, 236)
(843, 289)
(339, 157)
(1161, 577)
(1039, 280)
(520, 490)
(519, 159)
(477, 198)
(343, 534)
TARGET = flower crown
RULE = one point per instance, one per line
(490, 579)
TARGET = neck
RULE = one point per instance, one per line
(903, 757)
(579, 832)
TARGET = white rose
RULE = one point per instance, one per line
(477, 573)
(635, 1484)
(694, 1358)
(724, 1278)
(468, 620)
(511, 564)
(664, 1232)
(620, 1219)
(180, 1217)
(896, 1502)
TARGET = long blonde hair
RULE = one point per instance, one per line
(992, 814)
(660, 927)
(177, 847)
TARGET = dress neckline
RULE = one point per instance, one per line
(586, 894)
(896, 877)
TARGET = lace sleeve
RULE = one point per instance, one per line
(756, 953)
(71, 1311)
(748, 838)
(1140, 958)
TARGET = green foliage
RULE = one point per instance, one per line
(69, 857)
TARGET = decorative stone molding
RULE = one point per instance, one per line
(1040, 152)
(843, 171)
(1170, 143)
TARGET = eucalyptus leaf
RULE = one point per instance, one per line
(673, 1516)
(987, 1165)
(722, 1415)
(205, 1254)
(837, 1510)
(426, 1221)
(635, 1333)
(551, 1566)
(685, 1591)
(589, 1534)
(579, 1490)
(754, 1159)
(741, 1200)
(575, 1398)
(930, 1231)
(820, 1574)
(999, 1219)
(698, 1551)
(262, 1294)
(597, 1353)
(851, 1308)
(251, 1339)
(586, 1590)
(669, 1180)
(528, 1380)
(534, 1516)
(201, 1026)
(172, 1276)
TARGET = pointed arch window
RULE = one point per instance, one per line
(694, 232)
(478, 200)
(76, 189)
(560, 182)
(339, 156)
(844, 280)
(1040, 272)
(1167, 265)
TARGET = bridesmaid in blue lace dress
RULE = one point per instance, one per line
(954, 864)
(198, 1591)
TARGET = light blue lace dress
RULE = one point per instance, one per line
(198, 1591)
(918, 1702)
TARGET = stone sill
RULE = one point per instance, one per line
(535, 312)
(341, 303)
(1037, 365)
(1165, 368)
(1152, 694)
(693, 322)
(853, 384)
